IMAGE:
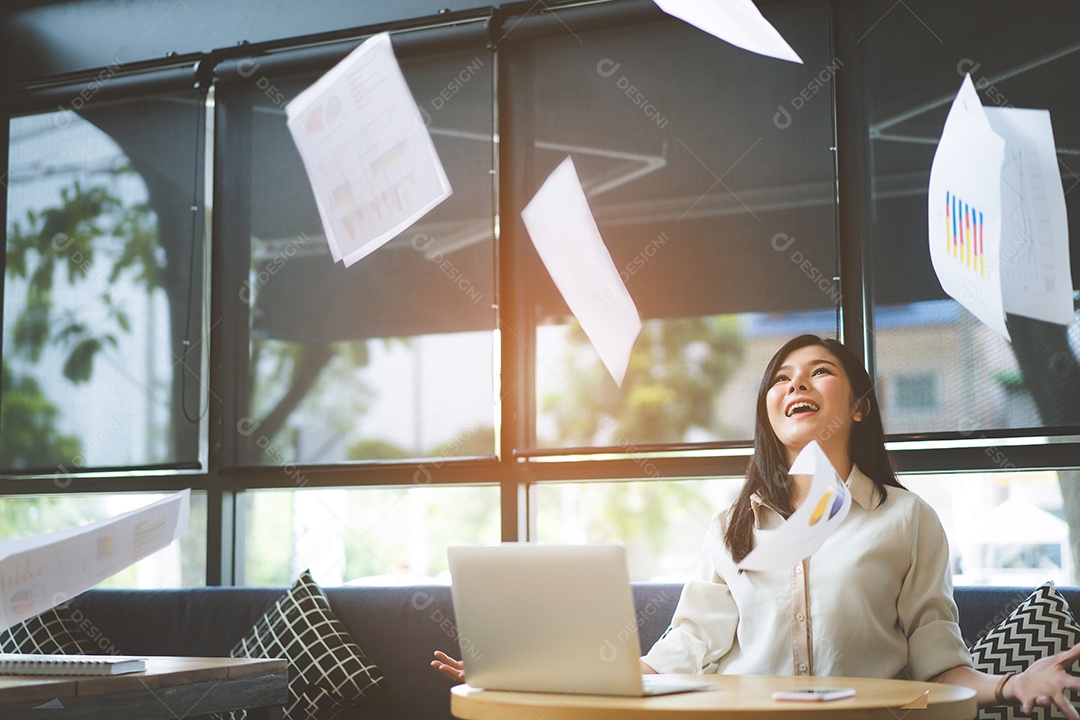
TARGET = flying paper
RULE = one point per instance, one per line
(564, 232)
(821, 512)
(965, 210)
(1035, 277)
(368, 155)
(738, 22)
(41, 572)
(999, 234)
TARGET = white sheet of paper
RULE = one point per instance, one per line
(41, 572)
(805, 531)
(368, 155)
(738, 22)
(564, 232)
(1035, 277)
(964, 210)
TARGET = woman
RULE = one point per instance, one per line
(874, 601)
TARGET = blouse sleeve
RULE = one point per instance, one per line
(703, 625)
(925, 606)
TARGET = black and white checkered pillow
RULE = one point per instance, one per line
(328, 672)
(53, 632)
(1040, 626)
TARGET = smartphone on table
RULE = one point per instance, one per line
(814, 694)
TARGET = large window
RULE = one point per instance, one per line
(103, 332)
(700, 191)
(172, 316)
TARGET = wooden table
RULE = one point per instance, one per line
(735, 697)
(169, 688)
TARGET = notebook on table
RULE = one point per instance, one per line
(18, 664)
(551, 618)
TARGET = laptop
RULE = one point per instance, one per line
(551, 618)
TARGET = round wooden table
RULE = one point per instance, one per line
(734, 697)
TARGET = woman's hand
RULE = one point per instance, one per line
(452, 668)
(1044, 683)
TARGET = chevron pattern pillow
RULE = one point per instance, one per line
(1040, 626)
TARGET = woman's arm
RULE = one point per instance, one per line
(1043, 684)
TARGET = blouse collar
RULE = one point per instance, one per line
(861, 488)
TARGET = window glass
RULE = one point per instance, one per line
(103, 336)
(392, 357)
(661, 522)
(369, 536)
(1006, 528)
(181, 564)
(916, 57)
(715, 196)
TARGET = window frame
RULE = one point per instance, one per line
(518, 474)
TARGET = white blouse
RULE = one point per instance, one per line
(874, 601)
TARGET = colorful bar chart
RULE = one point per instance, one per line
(964, 233)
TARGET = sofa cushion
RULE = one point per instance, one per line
(1040, 626)
(53, 632)
(328, 672)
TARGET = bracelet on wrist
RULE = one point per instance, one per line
(999, 691)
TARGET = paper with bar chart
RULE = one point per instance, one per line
(964, 210)
(368, 155)
(999, 232)
(806, 530)
(41, 572)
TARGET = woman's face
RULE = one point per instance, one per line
(810, 398)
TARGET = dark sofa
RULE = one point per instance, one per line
(398, 628)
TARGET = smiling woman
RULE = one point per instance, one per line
(896, 616)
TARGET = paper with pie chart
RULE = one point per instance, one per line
(807, 529)
(367, 152)
(998, 228)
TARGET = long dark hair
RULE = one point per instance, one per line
(767, 473)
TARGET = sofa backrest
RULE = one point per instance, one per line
(397, 627)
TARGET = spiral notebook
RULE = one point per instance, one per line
(17, 664)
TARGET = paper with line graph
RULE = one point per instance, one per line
(964, 209)
(1035, 277)
(806, 530)
(41, 572)
(367, 152)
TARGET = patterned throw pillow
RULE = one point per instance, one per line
(328, 672)
(1040, 626)
(53, 632)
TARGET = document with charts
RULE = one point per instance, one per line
(999, 232)
(964, 211)
(1035, 277)
(806, 530)
(368, 155)
(41, 572)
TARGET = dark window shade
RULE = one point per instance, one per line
(915, 60)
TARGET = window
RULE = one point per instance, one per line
(916, 59)
(103, 335)
(700, 191)
(393, 357)
(358, 420)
